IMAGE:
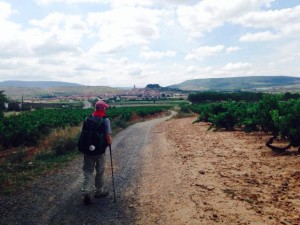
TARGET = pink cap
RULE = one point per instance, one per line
(101, 104)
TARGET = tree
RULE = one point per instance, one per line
(3, 99)
(153, 86)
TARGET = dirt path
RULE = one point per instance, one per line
(171, 172)
(195, 176)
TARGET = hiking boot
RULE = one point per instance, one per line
(87, 199)
(101, 194)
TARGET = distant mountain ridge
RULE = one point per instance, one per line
(37, 84)
(251, 83)
(17, 90)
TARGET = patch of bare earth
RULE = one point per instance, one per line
(194, 176)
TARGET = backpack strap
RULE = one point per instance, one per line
(100, 122)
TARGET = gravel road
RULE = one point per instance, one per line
(56, 198)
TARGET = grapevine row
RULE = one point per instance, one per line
(270, 114)
(28, 127)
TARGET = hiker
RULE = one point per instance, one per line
(94, 154)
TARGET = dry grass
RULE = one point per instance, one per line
(50, 140)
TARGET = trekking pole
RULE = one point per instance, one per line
(112, 173)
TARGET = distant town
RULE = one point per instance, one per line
(152, 92)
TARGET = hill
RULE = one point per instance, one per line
(253, 83)
(36, 89)
(39, 84)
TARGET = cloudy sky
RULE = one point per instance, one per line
(120, 43)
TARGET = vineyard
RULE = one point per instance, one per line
(273, 114)
(27, 128)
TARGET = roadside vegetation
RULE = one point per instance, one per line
(277, 115)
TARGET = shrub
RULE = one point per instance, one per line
(64, 145)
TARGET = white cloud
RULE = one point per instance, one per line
(232, 49)
(199, 70)
(209, 14)
(56, 33)
(124, 66)
(275, 19)
(124, 27)
(236, 66)
(10, 33)
(229, 70)
(113, 3)
(65, 29)
(123, 72)
(291, 30)
(47, 2)
(146, 53)
(5, 10)
(182, 2)
(204, 51)
(261, 36)
(284, 22)
(118, 3)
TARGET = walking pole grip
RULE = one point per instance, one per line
(112, 173)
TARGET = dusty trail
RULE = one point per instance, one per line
(171, 172)
(195, 176)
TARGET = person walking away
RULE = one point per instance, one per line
(93, 141)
